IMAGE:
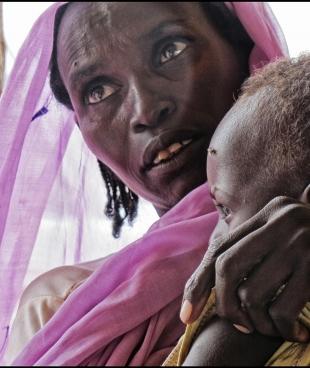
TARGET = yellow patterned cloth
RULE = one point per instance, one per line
(288, 354)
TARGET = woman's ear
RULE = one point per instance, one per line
(305, 196)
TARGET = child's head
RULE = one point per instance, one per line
(261, 149)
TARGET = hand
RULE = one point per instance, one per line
(261, 273)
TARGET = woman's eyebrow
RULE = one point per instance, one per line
(159, 29)
(83, 72)
(88, 70)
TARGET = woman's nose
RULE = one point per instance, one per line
(150, 108)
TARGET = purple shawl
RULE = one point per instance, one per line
(126, 313)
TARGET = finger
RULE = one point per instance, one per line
(278, 204)
(202, 280)
(241, 259)
(197, 291)
(271, 216)
(188, 313)
(199, 285)
(228, 304)
(284, 314)
(233, 266)
(224, 242)
(287, 207)
(257, 292)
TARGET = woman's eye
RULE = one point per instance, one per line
(99, 93)
(224, 211)
(172, 50)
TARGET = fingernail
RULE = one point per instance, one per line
(242, 329)
(186, 311)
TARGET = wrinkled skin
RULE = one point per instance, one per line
(134, 82)
(169, 75)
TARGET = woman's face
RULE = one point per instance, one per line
(149, 83)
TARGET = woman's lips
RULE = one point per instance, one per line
(185, 156)
(165, 147)
(168, 153)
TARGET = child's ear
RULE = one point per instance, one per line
(305, 196)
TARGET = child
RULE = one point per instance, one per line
(260, 150)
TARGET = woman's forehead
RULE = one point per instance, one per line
(90, 29)
(131, 19)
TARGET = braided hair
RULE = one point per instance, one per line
(120, 197)
(122, 203)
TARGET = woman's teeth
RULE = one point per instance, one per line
(172, 150)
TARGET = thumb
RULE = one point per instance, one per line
(190, 312)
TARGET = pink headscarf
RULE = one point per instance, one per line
(126, 313)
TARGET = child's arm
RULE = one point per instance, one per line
(220, 344)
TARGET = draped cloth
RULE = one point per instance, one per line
(120, 315)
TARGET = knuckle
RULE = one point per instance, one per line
(249, 298)
(208, 259)
(304, 234)
(214, 248)
(193, 288)
(296, 213)
(188, 295)
(285, 213)
(301, 238)
(190, 284)
(292, 209)
(281, 201)
(276, 205)
(224, 266)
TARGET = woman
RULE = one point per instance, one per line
(151, 126)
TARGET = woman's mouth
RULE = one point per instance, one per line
(168, 153)
(177, 159)
(172, 151)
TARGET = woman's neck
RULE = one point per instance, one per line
(161, 211)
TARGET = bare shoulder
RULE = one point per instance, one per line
(59, 281)
(219, 343)
(56, 282)
(39, 302)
